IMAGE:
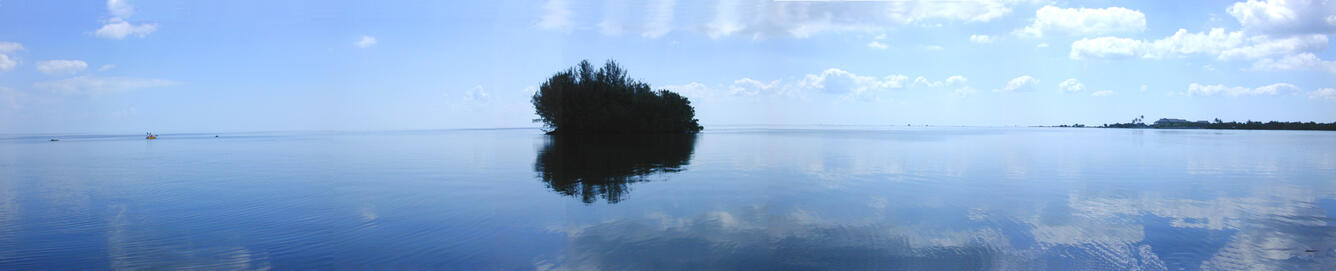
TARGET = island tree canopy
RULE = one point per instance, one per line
(583, 99)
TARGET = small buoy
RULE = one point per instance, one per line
(53, 139)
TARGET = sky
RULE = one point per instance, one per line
(130, 66)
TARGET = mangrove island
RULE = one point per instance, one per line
(584, 100)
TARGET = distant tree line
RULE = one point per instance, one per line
(1218, 124)
(585, 100)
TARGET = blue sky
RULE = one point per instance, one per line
(217, 66)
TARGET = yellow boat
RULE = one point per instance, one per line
(151, 136)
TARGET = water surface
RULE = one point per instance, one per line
(730, 198)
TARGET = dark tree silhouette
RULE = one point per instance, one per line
(590, 167)
(583, 99)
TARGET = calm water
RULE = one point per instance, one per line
(729, 198)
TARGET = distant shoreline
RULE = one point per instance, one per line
(1217, 124)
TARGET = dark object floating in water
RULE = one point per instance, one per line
(215, 135)
(1310, 250)
(54, 140)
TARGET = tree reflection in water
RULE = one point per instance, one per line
(603, 166)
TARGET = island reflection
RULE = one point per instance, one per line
(592, 167)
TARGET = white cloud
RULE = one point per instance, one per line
(1105, 47)
(1022, 83)
(1101, 93)
(1217, 42)
(1041, 45)
(955, 80)
(1144, 87)
(837, 81)
(877, 45)
(365, 42)
(1084, 21)
(477, 94)
(53, 67)
(1262, 46)
(556, 16)
(6, 47)
(120, 8)
(1195, 89)
(981, 39)
(933, 48)
(1071, 86)
(7, 64)
(1281, 17)
(9, 47)
(1304, 61)
(748, 86)
(923, 81)
(106, 67)
(91, 85)
(1327, 94)
(117, 28)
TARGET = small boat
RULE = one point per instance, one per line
(150, 136)
(54, 140)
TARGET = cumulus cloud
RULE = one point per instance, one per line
(7, 64)
(54, 67)
(477, 94)
(1290, 30)
(1084, 21)
(117, 28)
(6, 47)
(1196, 89)
(877, 45)
(837, 81)
(1071, 86)
(981, 39)
(1304, 61)
(365, 42)
(1326, 94)
(1217, 42)
(92, 85)
(1022, 83)
(955, 80)
(748, 86)
(1101, 93)
(1281, 17)
(759, 19)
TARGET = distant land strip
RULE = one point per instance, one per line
(1167, 123)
